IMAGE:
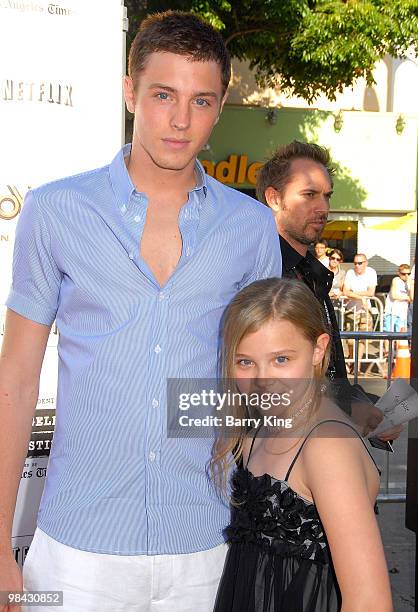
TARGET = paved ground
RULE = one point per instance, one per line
(399, 545)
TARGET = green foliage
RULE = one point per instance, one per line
(308, 47)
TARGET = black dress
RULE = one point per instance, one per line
(278, 558)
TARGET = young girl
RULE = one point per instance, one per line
(303, 535)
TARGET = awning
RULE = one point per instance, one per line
(340, 230)
(406, 223)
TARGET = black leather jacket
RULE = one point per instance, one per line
(319, 280)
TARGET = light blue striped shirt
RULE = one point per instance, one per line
(116, 484)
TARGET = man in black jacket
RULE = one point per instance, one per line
(296, 183)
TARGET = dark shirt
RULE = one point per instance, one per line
(319, 280)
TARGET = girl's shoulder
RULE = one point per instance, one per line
(333, 426)
(334, 434)
(329, 417)
(336, 446)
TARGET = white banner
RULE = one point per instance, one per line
(61, 112)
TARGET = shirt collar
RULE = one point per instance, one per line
(290, 257)
(122, 183)
(202, 183)
(119, 176)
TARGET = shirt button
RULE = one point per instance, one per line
(155, 403)
(152, 456)
(131, 255)
(186, 214)
(137, 218)
(157, 349)
(161, 295)
(187, 251)
(123, 209)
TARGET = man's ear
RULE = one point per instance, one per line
(221, 106)
(320, 349)
(129, 93)
(273, 199)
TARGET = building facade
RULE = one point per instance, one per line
(371, 133)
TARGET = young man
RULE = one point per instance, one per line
(401, 294)
(296, 183)
(136, 261)
(398, 301)
(320, 249)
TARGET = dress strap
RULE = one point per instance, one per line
(251, 447)
(313, 428)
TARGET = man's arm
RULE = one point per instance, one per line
(396, 291)
(21, 359)
(411, 283)
(347, 287)
(371, 285)
(359, 294)
(411, 287)
(371, 288)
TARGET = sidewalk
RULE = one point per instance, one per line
(399, 543)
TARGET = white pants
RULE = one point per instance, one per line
(93, 582)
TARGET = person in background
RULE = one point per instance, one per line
(411, 304)
(296, 183)
(359, 285)
(360, 282)
(397, 303)
(335, 260)
(320, 249)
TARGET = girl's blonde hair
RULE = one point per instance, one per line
(263, 301)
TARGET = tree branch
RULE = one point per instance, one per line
(243, 32)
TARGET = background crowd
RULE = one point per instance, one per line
(353, 287)
(356, 302)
